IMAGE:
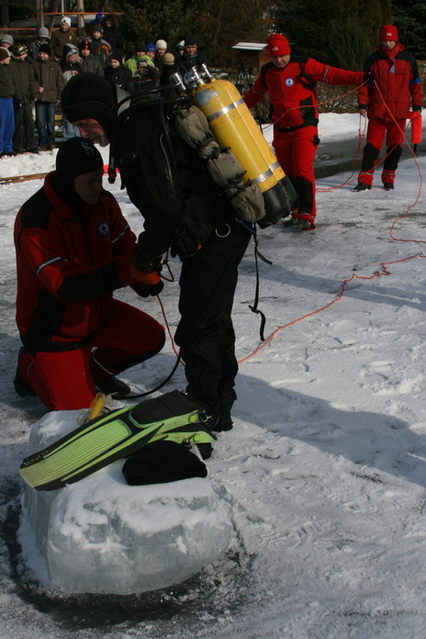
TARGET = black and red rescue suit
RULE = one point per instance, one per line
(387, 101)
(294, 112)
(68, 266)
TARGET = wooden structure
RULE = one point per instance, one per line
(254, 53)
(41, 15)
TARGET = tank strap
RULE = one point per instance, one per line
(222, 165)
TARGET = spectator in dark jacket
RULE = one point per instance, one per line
(26, 92)
(191, 56)
(117, 73)
(99, 47)
(112, 33)
(48, 74)
(7, 91)
(70, 66)
(169, 66)
(88, 62)
(146, 77)
(42, 36)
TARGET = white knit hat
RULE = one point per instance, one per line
(66, 19)
(161, 44)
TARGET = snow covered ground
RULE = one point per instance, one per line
(326, 464)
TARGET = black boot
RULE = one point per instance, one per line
(223, 423)
(362, 187)
(23, 389)
(114, 386)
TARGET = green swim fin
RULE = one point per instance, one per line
(172, 417)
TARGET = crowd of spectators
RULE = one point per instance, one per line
(33, 75)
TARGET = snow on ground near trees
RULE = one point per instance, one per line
(326, 462)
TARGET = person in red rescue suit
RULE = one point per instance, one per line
(386, 103)
(73, 249)
(290, 81)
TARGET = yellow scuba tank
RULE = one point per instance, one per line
(233, 125)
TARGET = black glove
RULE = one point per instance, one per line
(145, 290)
(368, 77)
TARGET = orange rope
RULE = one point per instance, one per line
(384, 271)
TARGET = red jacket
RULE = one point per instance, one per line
(67, 269)
(292, 90)
(397, 78)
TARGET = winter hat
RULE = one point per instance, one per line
(117, 54)
(21, 50)
(84, 45)
(98, 27)
(278, 45)
(69, 49)
(140, 46)
(161, 44)
(4, 53)
(180, 45)
(43, 32)
(76, 157)
(45, 48)
(7, 38)
(66, 19)
(150, 47)
(87, 95)
(190, 41)
(169, 59)
(389, 32)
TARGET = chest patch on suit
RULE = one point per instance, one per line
(103, 229)
(289, 82)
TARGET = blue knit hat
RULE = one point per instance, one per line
(150, 47)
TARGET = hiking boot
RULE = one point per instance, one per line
(206, 450)
(362, 187)
(388, 186)
(223, 423)
(113, 386)
(303, 224)
(50, 147)
(23, 389)
(292, 221)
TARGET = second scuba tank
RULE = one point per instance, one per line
(233, 126)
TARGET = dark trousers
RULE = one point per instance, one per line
(24, 127)
(45, 119)
(205, 333)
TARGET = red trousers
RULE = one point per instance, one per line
(295, 152)
(376, 132)
(67, 380)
